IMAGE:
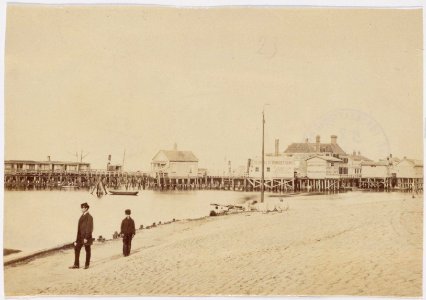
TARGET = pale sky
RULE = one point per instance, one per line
(104, 79)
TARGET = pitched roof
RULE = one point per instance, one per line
(357, 157)
(312, 148)
(174, 155)
(327, 158)
(391, 160)
(374, 163)
(415, 162)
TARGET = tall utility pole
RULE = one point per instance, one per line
(262, 181)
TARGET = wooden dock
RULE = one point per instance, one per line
(49, 180)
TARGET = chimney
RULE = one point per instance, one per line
(318, 140)
(48, 158)
(277, 147)
(354, 153)
(306, 140)
(175, 147)
(390, 155)
(334, 139)
(359, 152)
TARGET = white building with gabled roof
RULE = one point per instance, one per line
(175, 164)
(279, 166)
(375, 169)
(322, 167)
(409, 168)
(354, 164)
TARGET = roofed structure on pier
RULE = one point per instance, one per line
(175, 164)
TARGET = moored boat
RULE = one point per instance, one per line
(69, 187)
(123, 193)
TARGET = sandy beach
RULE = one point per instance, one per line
(319, 246)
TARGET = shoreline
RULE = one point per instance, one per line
(358, 247)
(17, 256)
(30, 256)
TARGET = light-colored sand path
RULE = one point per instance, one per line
(318, 247)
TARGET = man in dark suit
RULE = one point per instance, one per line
(84, 237)
(128, 231)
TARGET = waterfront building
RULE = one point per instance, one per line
(276, 166)
(202, 172)
(114, 168)
(240, 171)
(300, 152)
(409, 168)
(175, 164)
(372, 169)
(17, 166)
(354, 164)
(383, 168)
(323, 167)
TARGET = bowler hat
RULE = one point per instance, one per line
(84, 205)
(127, 211)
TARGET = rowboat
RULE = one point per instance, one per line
(123, 193)
(69, 187)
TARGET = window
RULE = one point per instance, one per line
(257, 169)
(332, 164)
(268, 169)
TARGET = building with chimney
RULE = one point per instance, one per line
(300, 152)
(277, 165)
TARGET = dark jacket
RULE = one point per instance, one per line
(128, 226)
(85, 228)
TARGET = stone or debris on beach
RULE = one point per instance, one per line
(7, 251)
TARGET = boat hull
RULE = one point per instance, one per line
(123, 193)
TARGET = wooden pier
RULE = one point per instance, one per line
(50, 180)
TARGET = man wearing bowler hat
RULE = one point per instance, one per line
(128, 231)
(84, 237)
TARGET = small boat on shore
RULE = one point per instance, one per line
(124, 193)
(69, 187)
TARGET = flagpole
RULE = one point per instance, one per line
(262, 182)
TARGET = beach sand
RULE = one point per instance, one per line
(319, 246)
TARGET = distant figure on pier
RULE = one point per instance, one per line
(100, 188)
(128, 231)
(84, 237)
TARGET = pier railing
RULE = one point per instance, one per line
(75, 172)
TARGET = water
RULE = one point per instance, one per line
(42, 219)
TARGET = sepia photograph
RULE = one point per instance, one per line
(222, 150)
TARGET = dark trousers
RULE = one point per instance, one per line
(77, 249)
(127, 244)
